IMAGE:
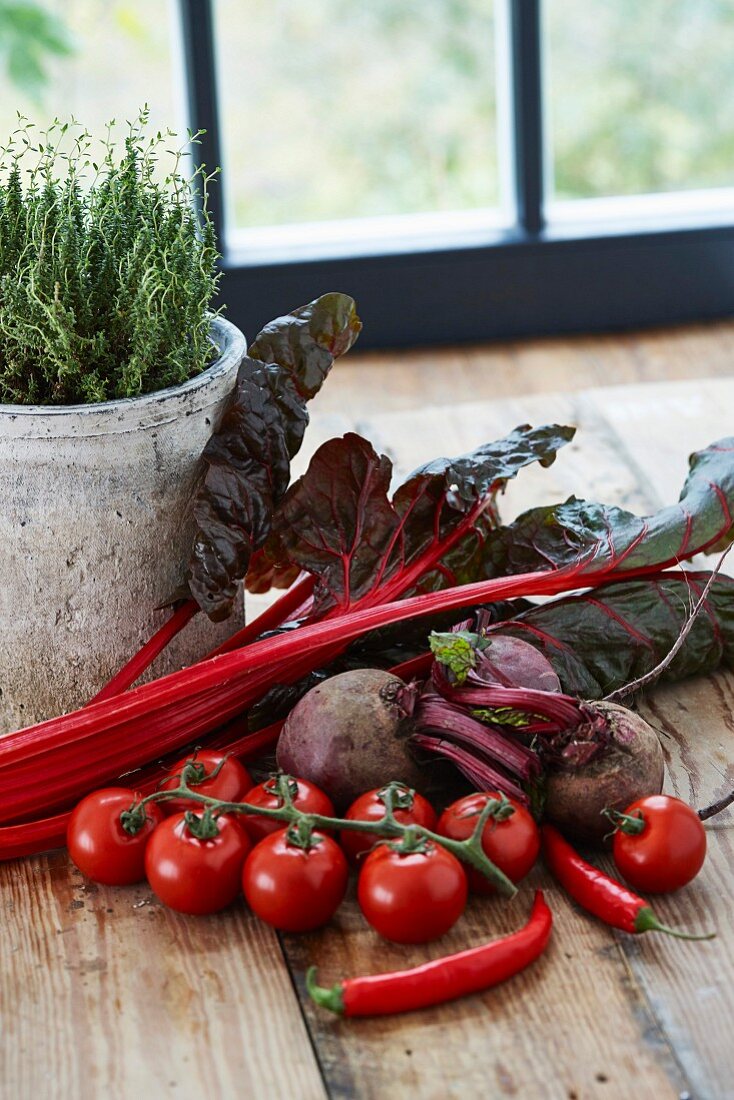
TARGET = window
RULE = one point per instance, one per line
(467, 169)
(347, 120)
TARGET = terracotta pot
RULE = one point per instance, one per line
(95, 527)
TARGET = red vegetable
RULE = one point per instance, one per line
(222, 777)
(659, 843)
(412, 896)
(98, 843)
(410, 808)
(443, 979)
(306, 797)
(50, 832)
(452, 535)
(349, 734)
(292, 886)
(509, 840)
(598, 893)
(196, 873)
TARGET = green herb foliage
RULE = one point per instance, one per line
(107, 270)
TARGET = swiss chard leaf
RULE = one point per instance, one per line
(306, 342)
(594, 539)
(248, 458)
(596, 642)
(339, 523)
(602, 640)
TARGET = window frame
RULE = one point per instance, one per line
(529, 279)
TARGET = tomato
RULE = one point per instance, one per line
(192, 875)
(370, 807)
(412, 897)
(512, 844)
(307, 797)
(99, 845)
(230, 784)
(668, 852)
(293, 888)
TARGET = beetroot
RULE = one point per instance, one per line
(350, 734)
(582, 783)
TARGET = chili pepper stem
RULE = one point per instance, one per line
(442, 979)
(646, 921)
(331, 998)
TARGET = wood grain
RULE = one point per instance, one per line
(602, 1014)
(404, 380)
(575, 1025)
(103, 992)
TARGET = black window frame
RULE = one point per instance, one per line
(529, 280)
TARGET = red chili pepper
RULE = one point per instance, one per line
(599, 894)
(441, 980)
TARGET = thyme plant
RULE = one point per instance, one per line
(107, 270)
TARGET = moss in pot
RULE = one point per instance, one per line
(113, 376)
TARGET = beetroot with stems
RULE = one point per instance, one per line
(350, 734)
(580, 756)
(627, 764)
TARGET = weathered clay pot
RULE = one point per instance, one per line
(95, 525)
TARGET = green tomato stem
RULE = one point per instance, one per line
(469, 851)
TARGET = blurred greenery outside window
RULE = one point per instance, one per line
(94, 60)
(333, 109)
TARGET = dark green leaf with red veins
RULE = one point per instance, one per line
(602, 640)
(248, 458)
(431, 501)
(306, 342)
(263, 573)
(595, 538)
(338, 522)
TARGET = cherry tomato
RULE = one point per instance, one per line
(230, 784)
(415, 810)
(412, 897)
(512, 844)
(293, 888)
(668, 852)
(99, 845)
(306, 797)
(192, 875)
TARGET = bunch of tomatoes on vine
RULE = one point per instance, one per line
(209, 834)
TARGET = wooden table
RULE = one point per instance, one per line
(105, 993)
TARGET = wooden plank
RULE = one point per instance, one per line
(583, 1022)
(104, 992)
(690, 986)
(575, 1025)
(589, 464)
(129, 997)
(691, 990)
(657, 427)
(404, 380)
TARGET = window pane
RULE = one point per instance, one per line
(336, 110)
(640, 95)
(122, 56)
